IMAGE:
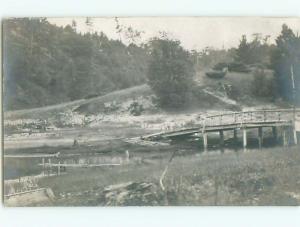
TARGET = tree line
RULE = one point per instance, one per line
(45, 64)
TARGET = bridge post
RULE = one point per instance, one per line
(244, 137)
(260, 137)
(295, 134)
(235, 134)
(221, 138)
(274, 132)
(284, 137)
(205, 142)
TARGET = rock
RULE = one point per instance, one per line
(131, 194)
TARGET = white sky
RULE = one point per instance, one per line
(193, 32)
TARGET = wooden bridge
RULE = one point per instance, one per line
(283, 120)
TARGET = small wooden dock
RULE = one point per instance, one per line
(283, 120)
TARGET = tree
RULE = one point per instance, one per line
(255, 51)
(285, 61)
(243, 51)
(170, 73)
(132, 35)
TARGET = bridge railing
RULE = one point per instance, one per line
(273, 115)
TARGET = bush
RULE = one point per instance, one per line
(238, 67)
(136, 109)
(220, 66)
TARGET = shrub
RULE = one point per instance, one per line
(220, 66)
(238, 67)
(136, 109)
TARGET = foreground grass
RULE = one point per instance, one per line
(262, 177)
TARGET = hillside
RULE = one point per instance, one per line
(45, 64)
(81, 105)
(231, 93)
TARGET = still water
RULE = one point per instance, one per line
(15, 167)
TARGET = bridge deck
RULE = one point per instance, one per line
(285, 119)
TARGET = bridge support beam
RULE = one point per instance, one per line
(235, 135)
(205, 141)
(274, 132)
(244, 137)
(284, 137)
(295, 136)
(221, 138)
(260, 137)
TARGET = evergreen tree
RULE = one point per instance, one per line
(285, 61)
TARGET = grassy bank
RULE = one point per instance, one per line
(261, 177)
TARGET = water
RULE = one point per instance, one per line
(15, 168)
(19, 167)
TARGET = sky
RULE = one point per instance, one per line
(193, 32)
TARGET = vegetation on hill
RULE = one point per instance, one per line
(170, 72)
(256, 51)
(285, 61)
(45, 64)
